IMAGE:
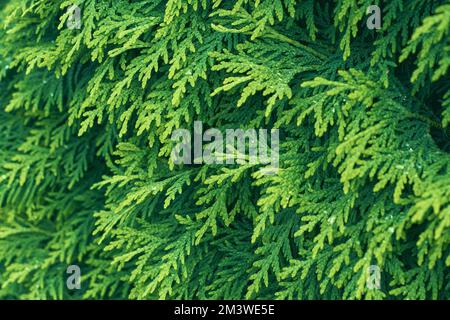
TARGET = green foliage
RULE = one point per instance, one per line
(86, 117)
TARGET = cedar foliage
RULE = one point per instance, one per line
(86, 178)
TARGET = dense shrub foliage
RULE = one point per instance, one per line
(86, 177)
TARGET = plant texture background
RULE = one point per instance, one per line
(86, 117)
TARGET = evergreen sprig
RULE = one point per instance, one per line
(86, 178)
